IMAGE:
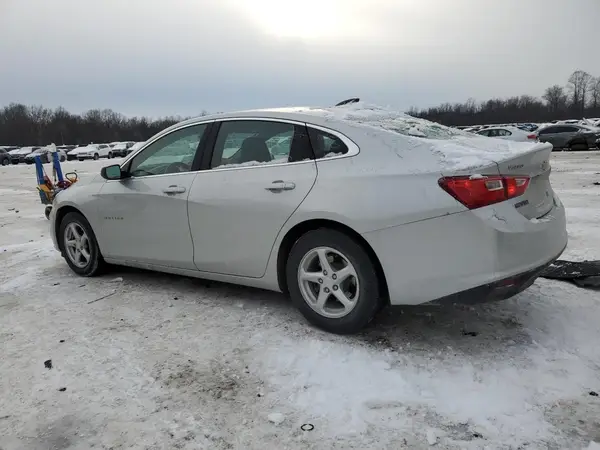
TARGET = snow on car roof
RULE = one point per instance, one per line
(454, 149)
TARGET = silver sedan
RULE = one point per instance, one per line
(344, 209)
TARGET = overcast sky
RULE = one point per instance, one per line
(162, 57)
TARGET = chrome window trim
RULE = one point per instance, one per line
(353, 149)
(261, 119)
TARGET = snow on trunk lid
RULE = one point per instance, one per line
(538, 199)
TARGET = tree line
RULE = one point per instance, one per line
(22, 125)
(579, 98)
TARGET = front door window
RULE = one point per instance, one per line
(173, 153)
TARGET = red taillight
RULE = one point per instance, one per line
(482, 191)
(532, 136)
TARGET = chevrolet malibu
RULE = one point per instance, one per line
(345, 209)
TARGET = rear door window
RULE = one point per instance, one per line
(242, 143)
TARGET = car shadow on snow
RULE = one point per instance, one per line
(481, 328)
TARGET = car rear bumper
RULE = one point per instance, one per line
(498, 290)
(457, 253)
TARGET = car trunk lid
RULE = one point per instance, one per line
(538, 198)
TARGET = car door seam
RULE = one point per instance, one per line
(290, 216)
(187, 212)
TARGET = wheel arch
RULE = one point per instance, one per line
(302, 228)
(60, 215)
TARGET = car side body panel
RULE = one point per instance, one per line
(141, 222)
(235, 218)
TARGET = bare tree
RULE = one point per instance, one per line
(595, 92)
(36, 125)
(555, 97)
(578, 86)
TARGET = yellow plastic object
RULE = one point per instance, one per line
(71, 176)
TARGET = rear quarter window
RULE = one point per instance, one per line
(326, 145)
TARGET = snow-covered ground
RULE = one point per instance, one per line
(174, 363)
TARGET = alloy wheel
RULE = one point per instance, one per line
(77, 245)
(328, 282)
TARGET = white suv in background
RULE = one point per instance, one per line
(94, 151)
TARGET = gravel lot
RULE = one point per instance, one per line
(175, 363)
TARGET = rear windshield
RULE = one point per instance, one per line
(391, 120)
(411, 126)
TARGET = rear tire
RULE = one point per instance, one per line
(361, 291)
(5, 162)
(579, 146)
(96, 156)
(81, 254)
(110, 155)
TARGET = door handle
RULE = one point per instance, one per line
(280, 185)
(174, 189)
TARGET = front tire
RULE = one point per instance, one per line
(5, 162)
(110, 155)
(333, 281)
(96, 156)
(79, 246)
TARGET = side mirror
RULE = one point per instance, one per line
(112, 172)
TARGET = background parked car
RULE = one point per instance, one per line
(18, 156)
(66, 148)
(527, 126)
(72, 154)
(4, 157)
(509, 134)
(120, 149)
(572, 137)
(135, 146)
(94, 151)
(45, 154)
